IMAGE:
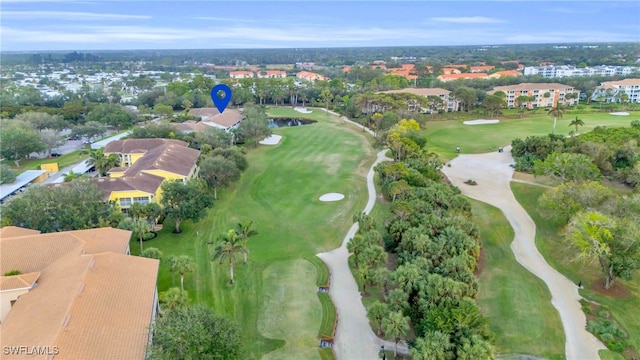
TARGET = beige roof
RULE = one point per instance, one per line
(18, 281)
(88, 305)
(419, 91)
(226, 119)
(33, 253)
(532, 86)
(623, 82)
(10, 231)
(138, 146)
(169, 157)
(144, 182)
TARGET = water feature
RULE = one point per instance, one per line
(287, 122)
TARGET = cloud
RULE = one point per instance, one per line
(69, 16)
(468, 20)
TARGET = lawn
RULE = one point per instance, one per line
(63, 161)
(279, 192)
(624, 309)
(444, 136)
(517, 303)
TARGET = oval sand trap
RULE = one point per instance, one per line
(271, 140)
(331, 197)
(303, 110)
(620, 113)
(481, 122)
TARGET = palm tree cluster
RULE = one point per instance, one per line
(437, 247)
(103, 162)
(232, 243)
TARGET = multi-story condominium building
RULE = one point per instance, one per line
(272, 74)
(310, 76)
(611, 91)
(553, 71)
(449, 103)
(541, 94)
(241, 74)
(145, 165)
(77, 295)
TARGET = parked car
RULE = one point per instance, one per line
(55, 154)
(75, 137)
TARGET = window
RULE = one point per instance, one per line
(125, 202)
(141, 200)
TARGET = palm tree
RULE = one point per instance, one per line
(184, 264)
(556, 112)
(103, 163)
(435, 345)
(577, 122)
(244, 232)
(172, 261)
(396, 325)
(173, 299)
(356, 246)
(140, 227)
(228, 249)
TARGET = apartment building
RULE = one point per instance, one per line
(611, 91)
(543, 95)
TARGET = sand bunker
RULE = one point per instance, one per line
(271, 140)
(331, 197)
(481, 122)
(620, 113)
(303, 110)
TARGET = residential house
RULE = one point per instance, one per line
(241, 74)
(272, 74)
(450, 70)
(227, 120)
(79, 295)
(610, 91)
(310, 76)
(462, 76)
(503, 73)
(145, 165)
(481, 68)
(449, 102)
(543, 94)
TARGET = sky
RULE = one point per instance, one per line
(30, 25)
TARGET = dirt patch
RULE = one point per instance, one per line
(616, 291)
(480, 263)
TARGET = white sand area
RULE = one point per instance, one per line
(481, 122)
(332, 197)
(271, 140)
(620, 113)
(303, 110)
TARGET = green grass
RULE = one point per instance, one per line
(279, 192)
(517, 303)
(624, 310)
(63, 161)
(444, 136)
(329, 316)
(322, 271)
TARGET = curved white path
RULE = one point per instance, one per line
(493, 174)
(354, 338)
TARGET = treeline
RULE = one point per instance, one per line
(610, 152)
(529, 54)
(437, 246)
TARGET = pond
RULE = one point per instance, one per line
(287, 122)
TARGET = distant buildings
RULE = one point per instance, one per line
(553, 71)
(310, 76)
(76, 295)
(541, 94)
(241, 74)
(611, 91)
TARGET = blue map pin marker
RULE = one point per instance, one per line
(221, 102)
